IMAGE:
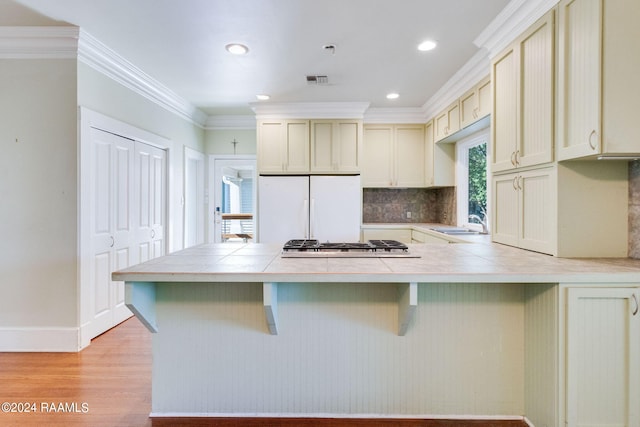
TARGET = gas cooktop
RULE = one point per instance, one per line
(309, 248)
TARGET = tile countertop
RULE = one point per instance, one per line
(438, 263)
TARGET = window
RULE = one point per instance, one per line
(471, 180)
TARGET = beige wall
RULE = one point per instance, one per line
(219, 141)
(39, 188)
(38, 182)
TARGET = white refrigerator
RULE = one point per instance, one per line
(326, 208)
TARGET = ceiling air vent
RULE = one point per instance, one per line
(317, 80)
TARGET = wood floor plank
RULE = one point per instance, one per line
(108, 384)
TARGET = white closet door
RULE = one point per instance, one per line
(111, 222)
(150, 190)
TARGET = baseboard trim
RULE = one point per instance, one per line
(39, 339)
(335, 420)
(338, 416)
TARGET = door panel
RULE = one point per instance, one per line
(602, 353)
(123, 186)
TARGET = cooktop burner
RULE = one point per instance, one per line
(371, 248)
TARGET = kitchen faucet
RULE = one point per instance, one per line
(483, 222)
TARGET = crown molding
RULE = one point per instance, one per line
(39, 42)
(101, 58)
(404, 115)
(309, 110)
(512, 21)
(228, 122)
(477, 68)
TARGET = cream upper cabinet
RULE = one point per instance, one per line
(603, 350)
(598, 87)
(336, 146)
(524, 209)
(439, 160)
(476, 103)
(283, 146)
(394, 156)
(447, 122)
(523, 99)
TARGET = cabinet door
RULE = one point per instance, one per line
(378, 156)
(475, 104)
(448, 122)
(348, 148)
(409, 150)
(524, 209)
(297, 146)
(322, 146)
(603, 349)
(469, 108)
(536, 51)
(579, 78)
(536, 190)
(429, 155)
(400, 234)
(484, 98)
(270, 145)
(506, 211)
(504, 75)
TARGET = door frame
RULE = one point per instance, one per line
(210, 190)
(191, 155)
(92, 119)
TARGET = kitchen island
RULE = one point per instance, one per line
(465, 330)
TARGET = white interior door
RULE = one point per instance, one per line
(194, 208)
(111, 224)
(123, 212)
(149, 194)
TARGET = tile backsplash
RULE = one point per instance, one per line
(390, 205)
(634, 209)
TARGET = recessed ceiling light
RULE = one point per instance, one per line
(263, 97)
(427, 45)
(237, 48)
(392, 95)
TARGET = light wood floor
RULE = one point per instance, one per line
(112, 379)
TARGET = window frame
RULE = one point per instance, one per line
(462, 178)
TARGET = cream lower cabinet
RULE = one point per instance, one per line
(524, 209)
(602, 357)
(394, 156)
(400, 234)
(336, 146)
(598, 86)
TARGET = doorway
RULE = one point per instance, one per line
(193, 198)
(232, 185)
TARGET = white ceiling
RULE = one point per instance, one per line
(180, 43)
